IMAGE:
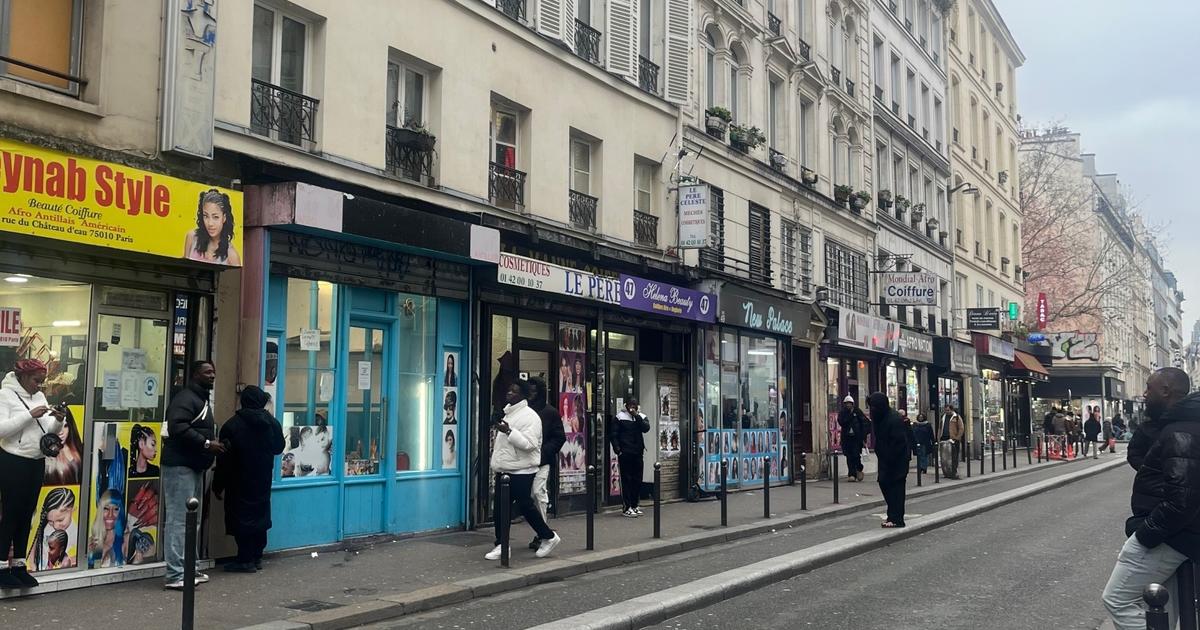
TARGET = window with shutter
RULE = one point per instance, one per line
(713, 256)
(678, 52)
(623, 38)
(556, 18)
(760, 243)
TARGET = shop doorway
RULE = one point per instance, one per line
(366, 411)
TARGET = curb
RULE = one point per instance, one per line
(421, 600)
(657, 607)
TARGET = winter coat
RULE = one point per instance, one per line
(21, 433)
(1091, 429)
(1143, 438)
(1106, 429)
(951, 427)
(520, 450)
(855, 426)
(188, 428)
(1059, 424)
(252, 439)
(923, 435)
(891, 447)
(627, 433)
(1166, 490)
(553, 435)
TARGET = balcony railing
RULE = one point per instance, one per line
(582, 209)
(645, 228)
(835, 75)
(280, 113)
(506, 186)
(896, 108)
(647, 75)
(514, 9)
(587, 42)
(879, 93)
(954, 134)
(805, 50)
(410, 154)
(849, 87)
(774, 23)
(912, 122)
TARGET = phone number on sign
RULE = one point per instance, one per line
(520, 281)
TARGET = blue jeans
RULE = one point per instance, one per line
(922, 457)
(1137, 567)
(180, 483)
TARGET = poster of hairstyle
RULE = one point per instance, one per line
(572, 381)
(54, 537)
(126, 513)
(450, 404)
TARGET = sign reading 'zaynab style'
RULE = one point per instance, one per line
(915, 346)
(693, 216)
(909, 288)
(666, 299)
(868, 332)
(528, 273)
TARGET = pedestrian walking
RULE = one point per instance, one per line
(1106, 434)
(553, 438)
(1164, 530)
(188, 450)
(627, 441)
(854, 427)
(922, 433)
(252, 438)
(1058, 424)
(518, 453)
(1091, 432)
(29, 429)
(891, 447)
(950, 434)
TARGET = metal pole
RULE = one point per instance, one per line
(966, 448)
(1185, 581)
(1014, 452)
(836, 474)
(937, 461)
(189, 564)
(591, 508)
(1004, 454)
(505, 517)
(724, 492)
(1156, 598)
(920, 471)
(766, 487)
(1042, 448)
(1029, 450)
(1095, 450)
(994, 455)
(657, 500)
(803, 481)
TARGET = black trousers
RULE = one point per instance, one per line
(853, 452)
(893, 494)
(520, 493)
(631, 478)
(20, 484)
(250, 546)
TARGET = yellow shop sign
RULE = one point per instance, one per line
(59, 196)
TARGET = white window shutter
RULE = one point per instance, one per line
(568, 23)
(551, 18)
(677, 63)
(623, 38)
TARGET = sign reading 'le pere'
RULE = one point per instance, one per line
(665, 299)
(534, 274)
(693, 216)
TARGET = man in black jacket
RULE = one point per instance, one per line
(854, 427)
(553, 438)
(892, 449)
(1164, 530)
(188, 450)
(629, 444)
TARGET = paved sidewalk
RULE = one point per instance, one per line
(358, 584)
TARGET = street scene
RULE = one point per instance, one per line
(669, 314)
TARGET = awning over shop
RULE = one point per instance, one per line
(1025, 365)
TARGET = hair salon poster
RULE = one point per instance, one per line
(572, 406)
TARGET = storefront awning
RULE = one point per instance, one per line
(1025, 365)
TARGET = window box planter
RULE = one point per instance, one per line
(859, 200)
(808, 176)
(716, 121)
(841, 193)
(415, 138)
(744, 139)
(884, 199)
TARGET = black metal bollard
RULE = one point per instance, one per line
(1029, 452)
(994, 455)
(937, 464)
(766, 487)
(1003, 454)
(920, 471)
(836, 474)
(803, 481)
(967, 449)
(1185, 585)
(1014, 453)
(724, 493)
(189, 564)
(1156, 598)
(982, 457)
(1041, 447)
(505, 517)
(1095, 450)
(591, 508)
(657, 500)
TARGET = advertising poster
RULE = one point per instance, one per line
(450, 411)
(835, 433)
(54, 537)
(668, 424)
(127, 493)
(573, 407)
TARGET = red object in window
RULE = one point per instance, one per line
(402, 461)
(506, 157)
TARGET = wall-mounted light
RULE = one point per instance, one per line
(16, 279)
(65, 323)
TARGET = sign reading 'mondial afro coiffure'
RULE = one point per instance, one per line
(919, 289)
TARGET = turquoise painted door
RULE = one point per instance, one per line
(368, 390)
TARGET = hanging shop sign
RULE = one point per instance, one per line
(59, 196)
(915, 346)
(659, 298)
(909, 288)
(528, 273)
(1043, 311)
(988, 345)
(190, 81)
(693, 216)
(867, 332)
(741, 307)
(983, 319)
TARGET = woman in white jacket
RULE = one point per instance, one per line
(517, 453)
(25, 416)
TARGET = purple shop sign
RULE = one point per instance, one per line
(660, 298)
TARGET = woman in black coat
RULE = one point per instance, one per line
(252, 439)
(892, 449)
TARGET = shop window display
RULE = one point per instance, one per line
(307, 346)
(418, 366)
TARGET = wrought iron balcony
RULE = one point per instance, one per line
(506, 186)
(805, 50)
(280, 113)
(774, 23)
(835, 75)
(879, 93)
(895, 108)
(912, 122)
(849, 87)
(514, 9)
(645, 228)
(410, 154)
(954, 134)
(582, 209)
(647, 75)
(587, 42)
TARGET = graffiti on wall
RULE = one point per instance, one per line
(1075, 345)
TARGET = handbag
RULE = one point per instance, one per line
(163, 433)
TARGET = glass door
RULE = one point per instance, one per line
(365, 409)
(622, 387)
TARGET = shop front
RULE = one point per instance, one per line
(1025, 372)
(1079, 387)
(857, 353)
(990, 415)
(364, 346)
(108, 275)
(907, 376)
(954, 364)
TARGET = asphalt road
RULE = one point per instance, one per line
(1036, 564)
(982, 566)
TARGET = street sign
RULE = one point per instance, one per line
(983, 319)
(693, 216)
(1043, 311)
(1014, 311)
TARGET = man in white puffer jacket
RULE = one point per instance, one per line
(517, 453)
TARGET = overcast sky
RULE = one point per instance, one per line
(1119, 72)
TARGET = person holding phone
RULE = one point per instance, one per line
(29, 429)
(631, 424)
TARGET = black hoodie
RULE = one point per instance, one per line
(1166, 491)
(553, 434)
(252, 438)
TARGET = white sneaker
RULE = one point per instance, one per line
(201, 578)
(494, 554)
(548, 546)
(177, 585)
(638, 511)
(630, 513)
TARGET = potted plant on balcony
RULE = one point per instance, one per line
(745, 138)
(859, 200)
(808, 176)
(885, 199)
(932, 223)
(918, 213)
(902, 204)
(778, 160)
(415, 136)
(842, 192)
(716, 121)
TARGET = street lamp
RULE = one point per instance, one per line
(966, 188)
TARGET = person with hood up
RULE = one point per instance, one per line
(629, 445)
(891, 447)
(1091, 432)
(252, 439)
(1106, 433)
(922, 434)
(553, 438)
(518, 453)
(854, 428)
(951, 430)
(1164, 529)
(26, 417)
